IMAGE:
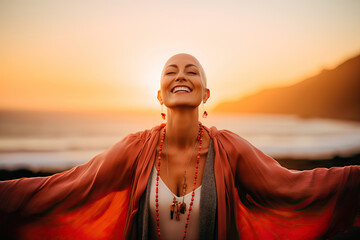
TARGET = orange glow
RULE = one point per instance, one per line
(109, 56)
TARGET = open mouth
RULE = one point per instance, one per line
(181, 89)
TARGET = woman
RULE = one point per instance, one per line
(182, 180)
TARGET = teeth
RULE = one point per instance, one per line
(181, 89)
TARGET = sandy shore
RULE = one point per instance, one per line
(307, 164)
(295, 164)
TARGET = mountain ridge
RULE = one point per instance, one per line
(333, 93)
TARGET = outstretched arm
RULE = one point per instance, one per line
(290, 204)
(108, 171)
(273, 185)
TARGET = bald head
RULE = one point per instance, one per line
(189, 58)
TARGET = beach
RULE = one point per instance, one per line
(50, 142)
(60, 140)
(293, 164)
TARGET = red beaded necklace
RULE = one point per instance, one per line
(199, 138)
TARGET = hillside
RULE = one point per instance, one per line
(330, 94)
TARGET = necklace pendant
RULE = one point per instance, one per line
(172, 208)
(182, 207)
(177, 212)
(172, 211)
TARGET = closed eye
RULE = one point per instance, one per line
(169, 73)
(193, 73)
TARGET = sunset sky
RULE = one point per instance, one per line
(108, 55)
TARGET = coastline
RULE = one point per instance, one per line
(289, 163)
(308, 164)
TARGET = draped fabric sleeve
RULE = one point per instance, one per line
(277, 203)
(63, 198)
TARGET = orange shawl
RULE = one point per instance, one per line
(257, 198)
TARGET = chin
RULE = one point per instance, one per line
(182, 104)
(183, 101)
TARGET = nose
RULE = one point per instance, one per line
(180, 76)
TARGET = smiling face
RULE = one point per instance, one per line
(183, 82)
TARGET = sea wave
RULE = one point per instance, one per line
(73, 139)
(56, 144)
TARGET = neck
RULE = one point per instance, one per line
(182, 127)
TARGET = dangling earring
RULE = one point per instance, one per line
(163, 115)
(205, 114)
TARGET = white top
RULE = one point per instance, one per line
(171, 228)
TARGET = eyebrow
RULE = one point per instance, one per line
(188, 65)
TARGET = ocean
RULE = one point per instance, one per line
(55, 140)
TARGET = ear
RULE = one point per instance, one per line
(159, 97)
(206, 95)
